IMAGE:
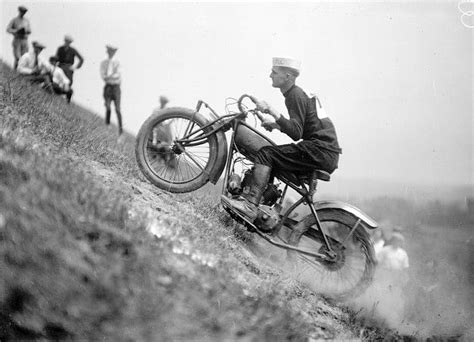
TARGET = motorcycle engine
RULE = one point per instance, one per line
(267, 218)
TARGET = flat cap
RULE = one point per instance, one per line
(111, 47)
(38, 45)
(22, 9)
(68, 37)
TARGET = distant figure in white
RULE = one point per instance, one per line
(392, 256)
(378, 238)
(110, 73)
(163, 137)
(391, 278)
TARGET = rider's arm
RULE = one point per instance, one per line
(293, 127)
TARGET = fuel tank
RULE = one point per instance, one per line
(249, 141)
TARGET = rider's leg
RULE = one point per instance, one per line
(248, 203)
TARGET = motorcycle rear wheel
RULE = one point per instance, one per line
(167, 164)
(353, 269)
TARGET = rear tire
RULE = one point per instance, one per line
(164, 163)
(351, 273)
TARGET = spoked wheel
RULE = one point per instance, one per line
(351, 268)
(167, 161)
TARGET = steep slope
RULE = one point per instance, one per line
(78, 258)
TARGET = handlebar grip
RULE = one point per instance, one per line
(239, 102)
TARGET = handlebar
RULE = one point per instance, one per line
(239, 101)
(255, 111)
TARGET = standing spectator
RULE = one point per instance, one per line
(110, 73)
(392, 256)
(66, 57)
(163, 101)
(59, 81)
(163, 137)
(33, 66)
(20, 28)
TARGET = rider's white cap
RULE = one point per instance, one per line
(287, 62)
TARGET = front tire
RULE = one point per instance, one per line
(169, 165)
(353, 269)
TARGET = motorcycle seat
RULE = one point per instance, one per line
(320, 174)
(307, 177)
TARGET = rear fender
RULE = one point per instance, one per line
(353, 211)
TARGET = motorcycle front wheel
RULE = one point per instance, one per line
(351, 271)
(168, 163)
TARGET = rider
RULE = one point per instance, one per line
(317, 147)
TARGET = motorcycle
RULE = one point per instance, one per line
(180, 150)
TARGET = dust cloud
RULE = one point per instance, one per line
(430, 299)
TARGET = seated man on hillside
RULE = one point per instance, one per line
(33, 66)
(59, 81)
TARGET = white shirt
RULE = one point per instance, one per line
(19, 23)
(393, 258)
(378, 246)
(26, 64)
(110, 71)
(60, 78)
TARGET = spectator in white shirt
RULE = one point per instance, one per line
(392, 256)
(60, 83)
(110, 73)
(33, 66)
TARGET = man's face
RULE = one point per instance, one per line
(37, 50)
(279, 77)
(111, 52)
(22, 13)
(67, 42)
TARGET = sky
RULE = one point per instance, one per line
(395, 77)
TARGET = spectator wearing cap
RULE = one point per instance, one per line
(33, 66)
(67, 57)
(317, 146)
(110, 73)
(59, 81)
(392, 256)
(20, 28)
(163, 101)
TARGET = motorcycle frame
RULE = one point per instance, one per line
(229, 121)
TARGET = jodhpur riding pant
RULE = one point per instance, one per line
(303, 157)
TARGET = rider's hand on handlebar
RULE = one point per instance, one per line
(263, 107)
(270, 125)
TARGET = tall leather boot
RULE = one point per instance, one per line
(247, 204)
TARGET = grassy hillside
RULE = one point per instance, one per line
(77, 259)
(90, 250)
